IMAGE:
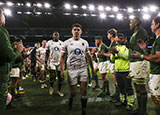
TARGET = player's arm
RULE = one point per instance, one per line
(47, 55)
(62, 63)
(153, 58)
(38, 57)
(89, 59)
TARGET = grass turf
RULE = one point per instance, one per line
(37, 101)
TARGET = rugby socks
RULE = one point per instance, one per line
(144, 103)
(59, 86)
(84, 104)
(106, 87)
(139, 100)
(117, 93)
(70, 103)
(96, 79)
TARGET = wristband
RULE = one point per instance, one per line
(142, 56)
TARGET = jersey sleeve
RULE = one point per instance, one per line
(64, 47)
(7, 52)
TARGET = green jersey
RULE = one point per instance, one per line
(155, 67)
(7, 55)
(140, 33)
(104, 49)
(110, 46)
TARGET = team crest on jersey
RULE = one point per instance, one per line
(71, 44)
(59, 43)
(77, 51)
(82, 44)
(56, 49)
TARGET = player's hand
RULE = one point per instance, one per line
(114, 50)
(142, 44)
(62, 74)
(100, 53)
(136, 55)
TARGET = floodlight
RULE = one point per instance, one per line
(85, 14)
(119, 16)
(131, 16)
(67, 6)
(145, 9)
(10, 4)
(84, 7)
(115, 9)
(100, 8)
(28, 12)
(102, 15)
(38, 13)
(93, 15)
(146, 16)
(19, 12)
(130, 10)
(28, 4)
(75, 6)
(1, 3)
(111, 16)
(108, 8)
(47, 5)
(7, 12)
(91, 7)
(153, 8)
(39, 5)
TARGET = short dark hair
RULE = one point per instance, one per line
(120, 35)
(98, 38)
(113, 32)
(76, 25)
(27, 46)
(138, 20)
(156, 19)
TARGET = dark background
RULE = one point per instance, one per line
(33, 28)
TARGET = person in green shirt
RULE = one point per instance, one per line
(138, 68)
(111, 34)
(154, 59)
(7, 55)
(120, 54)
(102, 65)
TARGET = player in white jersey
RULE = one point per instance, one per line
(53, 57)
(76, 51)
(40, 56)
(38, 45)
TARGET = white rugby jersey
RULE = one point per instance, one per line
(76, 50)
(42, 53)
(55, 51)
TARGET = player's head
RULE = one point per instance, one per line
(121, 39)
(155, 25)
(2, 18)
(38, 45)
(56, 36)
(44, 43)
(76, 30)
(111, 33)
(98, 40)
(135, 22)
